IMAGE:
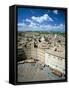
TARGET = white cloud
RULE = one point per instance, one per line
(55, 11)
(36, 26)
(43, 18)
(60, 26)
(55, 27)
(32, 24)
(28, 20)
(37, 23)
(21, 24)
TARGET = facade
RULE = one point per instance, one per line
(55, 61)
(35, 54)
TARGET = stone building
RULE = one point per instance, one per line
(50, 57)
(55, 60)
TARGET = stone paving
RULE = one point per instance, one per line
(35, 72)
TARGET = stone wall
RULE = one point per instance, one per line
(55, 62)
(35, 53)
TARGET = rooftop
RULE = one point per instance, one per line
(56, 53)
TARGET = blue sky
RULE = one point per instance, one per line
(40, 20)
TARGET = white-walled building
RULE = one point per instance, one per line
(55, 60)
